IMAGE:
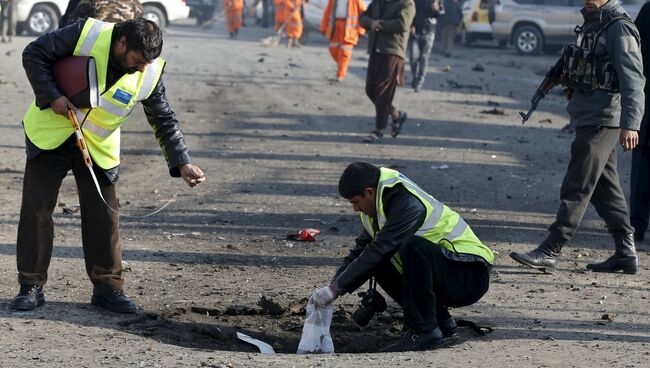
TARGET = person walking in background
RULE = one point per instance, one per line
(388, 23)
(234, 11)
(423, 32)
(288, 14)
(449, 23)
(7, 19)
(340, 24)
(640, 176)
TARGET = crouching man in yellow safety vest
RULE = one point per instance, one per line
(423, 254)
(128, 71)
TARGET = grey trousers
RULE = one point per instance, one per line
(419, 59)
(591, 177)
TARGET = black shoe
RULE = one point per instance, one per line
(115, 301)
(538, 259)
(448, 326)
(415, 341)
(29, 298)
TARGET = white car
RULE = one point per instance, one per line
(41, 16)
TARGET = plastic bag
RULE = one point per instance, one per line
(316, 336)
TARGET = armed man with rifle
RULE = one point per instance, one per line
(603, 72)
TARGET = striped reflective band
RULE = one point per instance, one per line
(149, 78)
(109, 106)
(436, 206)
(99, 131)
(91, 38)
(147, 84)
(457, 231)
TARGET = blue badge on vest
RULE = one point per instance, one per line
(122, 96)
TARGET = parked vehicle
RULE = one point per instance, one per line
(534, 26)
(38, 16)
(475, 24)
(162, 12)
(41, 16)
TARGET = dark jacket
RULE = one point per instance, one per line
(425, 17)
(405, 214)
(38, 57)
(620, 45)
(396, 17)
(643, 25)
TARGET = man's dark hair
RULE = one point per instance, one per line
(356, 178)
(141, 35)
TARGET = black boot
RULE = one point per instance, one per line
(543, 258)
(29, 298)
(624, 257)
(115, 301)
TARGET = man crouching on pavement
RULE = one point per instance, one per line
(423, 254)
(128, 72)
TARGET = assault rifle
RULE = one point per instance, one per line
(552, 79)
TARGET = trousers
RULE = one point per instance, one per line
(99, 225)
(431, 283)
(385, 72)
(592, 176)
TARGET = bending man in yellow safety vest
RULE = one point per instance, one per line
(128, 71)
(423, 254)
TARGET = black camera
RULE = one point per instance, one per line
(371, 302)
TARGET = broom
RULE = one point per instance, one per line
(274, 40)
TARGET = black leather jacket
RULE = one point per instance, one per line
(38, 57)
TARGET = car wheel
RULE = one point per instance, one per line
(42, 19)
(528, 40)
(466, 38)
(155, 15)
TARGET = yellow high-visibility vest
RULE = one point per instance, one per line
(101, 129)
(441, 226)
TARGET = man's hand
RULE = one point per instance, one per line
(61, 106)
(192, 175)
(375, 26)
(628, 139)
(435, 6)
(323, 296)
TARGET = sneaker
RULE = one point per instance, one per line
(115, 301)
(416, 341)
(29, 298)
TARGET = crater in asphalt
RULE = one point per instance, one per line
(215, 329)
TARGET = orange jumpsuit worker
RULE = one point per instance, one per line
(340, 24)
(289, 11)
(234, 11)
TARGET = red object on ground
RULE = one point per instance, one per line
(304, 235)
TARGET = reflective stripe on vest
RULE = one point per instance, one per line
(441, 226)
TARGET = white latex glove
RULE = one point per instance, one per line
(323, 296)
